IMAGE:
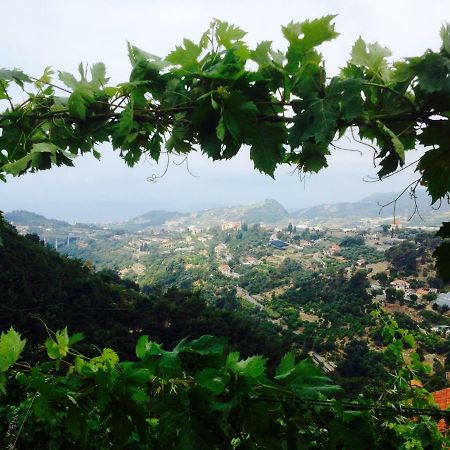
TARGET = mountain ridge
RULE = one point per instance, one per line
(269, 211)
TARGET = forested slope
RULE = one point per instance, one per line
(39, 286)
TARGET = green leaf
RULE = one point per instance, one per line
(239, 115)
(434, 166)
(261, 54)
(108, 359)
(98, 74)
(317, 31)
(137, 55)
(11, 346)
(312, 158)
(154, 146)
(204, 345)
(210, 380)
(41, 156)
(267, 150)
(68, 79)
(444, 231)
(96, 154)
(313, 34)
(445, 36)
(316, 120)
(79, 101)
(442, 256)
(388, 164)
(146, 348)
(45, 78)
(227, 35)
(15, 75)
(125, 123)
(347, 92)
(75, 338)
(186, 56)
(254, 367)
(286, 366)
(398, 145)
(58, 347)
(221, 129)
(371, 56)
(433, 73)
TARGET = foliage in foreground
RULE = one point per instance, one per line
(197, 396)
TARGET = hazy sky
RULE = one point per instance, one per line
(35, 34)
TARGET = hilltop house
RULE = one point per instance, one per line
(442, 398)
(400, 284)
(422, 291)
(226, 271)
(236, 226)
(332, 250)
(251, 261)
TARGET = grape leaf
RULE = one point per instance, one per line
(435, 168)
(209, 379)
(68, 79)
(286, 366)
(445, 36)
(79, 101)
(98, 74)
(315, 119)
(432, 72)
(312, 157)
(239, 115)
(11, 346)
(253, 367)
(15, 75)
(373, 56)
(186, 56)
(267, 149)
(261, 54)
(227, 35)
(398, 145)
(444, 231)
(58, 347)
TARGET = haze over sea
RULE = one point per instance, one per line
(108, 190)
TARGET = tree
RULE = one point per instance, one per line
(403, 257)
(390, 294)
(400, 296)
(206, 95)
(381, 277)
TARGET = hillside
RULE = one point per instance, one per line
(151, 219)
(371, 207)
(269, 211)
(39, 286)
(32, 219)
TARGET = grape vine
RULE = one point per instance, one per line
(202, 396)
(219, 94)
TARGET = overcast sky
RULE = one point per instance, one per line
(35, 34)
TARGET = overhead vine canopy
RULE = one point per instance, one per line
(219, 94)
